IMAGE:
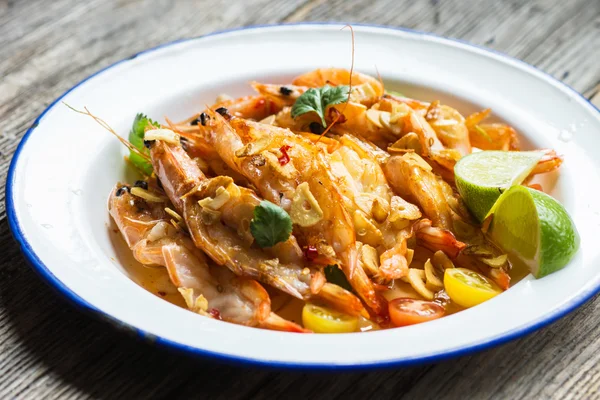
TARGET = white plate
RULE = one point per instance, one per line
(66, 164)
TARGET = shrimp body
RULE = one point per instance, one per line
(379, 216)
(208, 289)
(416, 182)
(222, 231)
(254, 150)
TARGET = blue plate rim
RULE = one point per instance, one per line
(81, 303)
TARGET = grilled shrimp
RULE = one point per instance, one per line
(550, 161)
(252, 107)
(366, 90)
(217, 213)
(449, 126)
(411, 177)
(493, 136)
(379, 216)
(292, 172)
(435, 238)
(207, 289)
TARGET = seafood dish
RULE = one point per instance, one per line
(326, 205)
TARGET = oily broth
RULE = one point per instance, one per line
(153, 279)
(156, 279)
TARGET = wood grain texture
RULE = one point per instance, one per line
(50, 350)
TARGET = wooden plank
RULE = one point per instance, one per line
(48, 349)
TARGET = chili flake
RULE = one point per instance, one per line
(285, 158)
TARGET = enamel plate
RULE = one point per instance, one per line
(66, 164)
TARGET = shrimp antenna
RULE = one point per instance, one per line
(379, 76)
(339, 114)
(105, 125)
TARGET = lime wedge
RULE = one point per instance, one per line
(535, 228)
(481, 177)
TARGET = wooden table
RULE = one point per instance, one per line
(48, 349)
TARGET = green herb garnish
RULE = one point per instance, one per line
(317, 100)
(270, 225)
(136, 138)
(335, 275)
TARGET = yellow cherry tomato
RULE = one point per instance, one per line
(468, 288)
(325, 320)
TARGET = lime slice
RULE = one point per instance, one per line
(535, 228)
(482, 176)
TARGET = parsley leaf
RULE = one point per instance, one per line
(335, 275)
(270, 225)
(136, 138)
(317, 100)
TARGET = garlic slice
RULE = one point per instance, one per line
(305, 210)
(165, 135)
(146, 195)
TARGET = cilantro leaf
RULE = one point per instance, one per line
(136, 138)
(335, 275)
(317, 100)
(270, 225)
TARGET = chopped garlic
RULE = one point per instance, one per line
(165, 135)
(270, 120)
(366, 231)
(222, 196)
(401, 211)
(173, 214)
(160, 230)
(410, 253)
(496, 262)
(410, 141)
(305, 210)
(255, 147)
(373, 116)
(380, 210)
(431, 277)
(198, 305)
(417, 160)
(146, 195)
(370, 259)
(416, 278)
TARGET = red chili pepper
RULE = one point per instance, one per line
(285, 158)
(216, 314)
(333, 113)
(310, 253)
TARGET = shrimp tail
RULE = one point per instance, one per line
(276, 323)
(434, 238)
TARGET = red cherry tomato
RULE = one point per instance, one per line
(405, 311)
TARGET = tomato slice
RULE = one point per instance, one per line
(405, 311)
(468, 288)
(325, 320)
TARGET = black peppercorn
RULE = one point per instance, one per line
(285, 91)
(122, 190)
(203, 118)
(316, 128)
(141, 184)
